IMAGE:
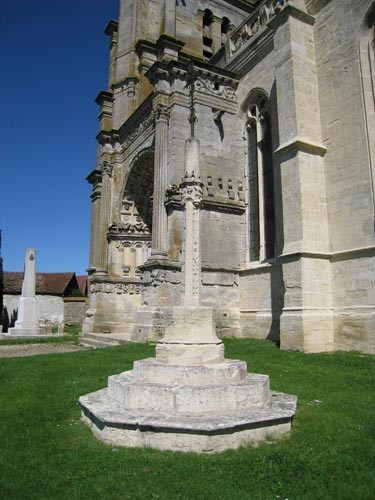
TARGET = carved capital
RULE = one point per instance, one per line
(107, 169)
(162, 113)
(191, 190)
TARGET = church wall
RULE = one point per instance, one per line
(349, 199)
(261, 288)
(350, 210)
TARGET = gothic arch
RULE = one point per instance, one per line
(261, 232)
(136, 206)
(367, 67)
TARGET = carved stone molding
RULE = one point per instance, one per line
(191, 189)
(116, 288)
(210, 87)
(138, 129)
(133, 245)
(255, 23)
(129, 228)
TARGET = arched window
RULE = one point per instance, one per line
(208, 18)
(261, 204)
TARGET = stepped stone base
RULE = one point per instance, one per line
(29, 333)
(211, 433)
(203, 409)
(99, 340)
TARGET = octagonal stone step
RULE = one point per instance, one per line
(136, 394)
(228, 372)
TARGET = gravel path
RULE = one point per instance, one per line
(12, 351)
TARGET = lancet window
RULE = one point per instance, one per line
(261, 205)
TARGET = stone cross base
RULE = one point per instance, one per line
(188, 398)
(182, 415)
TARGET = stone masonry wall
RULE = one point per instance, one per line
(74, 310)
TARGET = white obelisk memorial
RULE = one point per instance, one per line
(27, 323)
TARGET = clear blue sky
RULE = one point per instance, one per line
(54, 61)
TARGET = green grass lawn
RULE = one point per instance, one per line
(47, 453)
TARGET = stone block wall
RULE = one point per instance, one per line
(74, 310)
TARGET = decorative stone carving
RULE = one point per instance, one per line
(255, 23)
(210, 87)
(107, 169)
(162, 112)
(191, 190)
(139, 127)
(116, 288)
(157, 277)
(129, 228)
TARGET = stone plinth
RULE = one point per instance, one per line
(188, 398)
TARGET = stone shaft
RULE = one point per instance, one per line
(28, 285)
(159, 214)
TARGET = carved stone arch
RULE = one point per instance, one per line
(136, 206)
(367, 67)
(257, 96)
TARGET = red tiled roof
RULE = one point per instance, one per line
(46, 283)
(82, 283)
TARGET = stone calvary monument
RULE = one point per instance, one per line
(27, 324)
(189, 397)
(284, 101)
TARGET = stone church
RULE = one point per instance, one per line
(280, 95)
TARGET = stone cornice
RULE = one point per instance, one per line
(331, 256)
(302, 144)
(94, 176)
(103, 97)
(246, 5)
(112, 27)
(209, 204)
(292, 11)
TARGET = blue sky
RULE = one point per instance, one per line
(54, 61)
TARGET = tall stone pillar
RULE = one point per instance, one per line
(159, 214)
(96, 196)
(191, 188)
(191, 338)
(105, 210)
(306, 321)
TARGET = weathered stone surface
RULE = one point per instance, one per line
(285, 120)
(202, 434)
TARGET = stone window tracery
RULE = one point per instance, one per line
(261, 205)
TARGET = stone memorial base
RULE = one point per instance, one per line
(188, 398)
(22, 333)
